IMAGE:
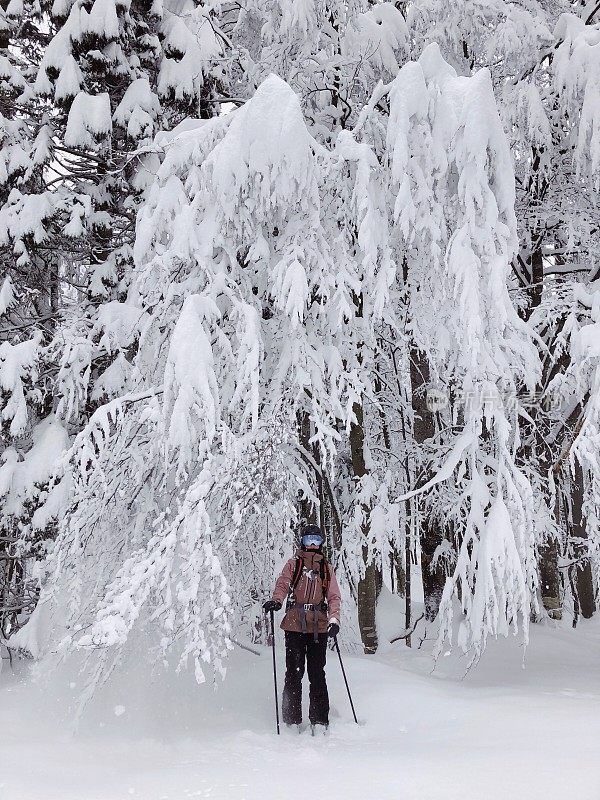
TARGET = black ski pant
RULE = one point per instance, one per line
(301, 648)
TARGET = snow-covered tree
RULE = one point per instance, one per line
(28, 308)
(357, 208)
(264, 270)
(550, 110)
(238, 328)
(82, 108)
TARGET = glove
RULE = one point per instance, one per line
(272, 605)
(332, 630)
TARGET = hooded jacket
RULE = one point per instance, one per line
(308, 590)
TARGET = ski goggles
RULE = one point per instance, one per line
(311, 539)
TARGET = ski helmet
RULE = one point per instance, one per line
(310, 535)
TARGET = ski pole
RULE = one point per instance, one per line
(274, 671)
(337, 647)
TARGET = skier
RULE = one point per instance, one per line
(310, 588)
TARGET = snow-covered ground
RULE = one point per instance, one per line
(501, 732)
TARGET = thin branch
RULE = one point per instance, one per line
(245, 646)
(409, 632)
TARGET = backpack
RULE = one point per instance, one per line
(324, 576)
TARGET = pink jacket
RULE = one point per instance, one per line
(305, 589)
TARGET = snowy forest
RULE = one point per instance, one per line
(271, 262)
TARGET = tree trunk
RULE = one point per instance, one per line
(550, 579)
(367, 606)
(430, 535)
(584, 582)
(537, 453)
(408, 585)
(549, 573)
(398, 573)
(370, 584)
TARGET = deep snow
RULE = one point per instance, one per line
(502, 731)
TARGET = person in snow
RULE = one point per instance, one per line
(308, 585)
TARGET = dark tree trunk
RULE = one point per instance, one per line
(584, 582)
(408, 592)
(550, 583)
(430, 534)
(370, 584)
(536, 452)
(549, 573)
(367, 606)
(397, 572)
